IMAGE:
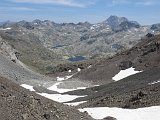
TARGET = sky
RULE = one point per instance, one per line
(61, 11)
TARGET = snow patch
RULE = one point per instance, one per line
(92, 28)
(68, 77)
(59, 97)
(155, 82)
(69, 71)
(75, 103)
(6, 29)
(55, 88)
(55, 97)
(60, 78)
(29, 87)
(64, 78)
(136, 29)
(125, 73)
(60, 90)
(148, 113)
(89, 66)
(78, 69)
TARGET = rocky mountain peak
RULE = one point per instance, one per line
(25, 24)
(120, 23)
(155, 27)
(37, 21)
(115, 20)
(84, 23)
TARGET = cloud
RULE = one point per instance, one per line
(120, 2)
(113, 3)
(23, 8)
(70, 3)
(135, 2)
(17, 8)
(147, 2)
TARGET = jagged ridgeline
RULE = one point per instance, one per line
(43, 45)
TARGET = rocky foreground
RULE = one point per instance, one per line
(17, 103)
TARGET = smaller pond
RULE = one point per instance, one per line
(76, 58)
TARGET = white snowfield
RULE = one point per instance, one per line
(148, 113)
(59, 97)
(125, 73)
(29, 87)
(75, 103)
(61, 90)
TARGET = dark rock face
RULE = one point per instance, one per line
(46, 116)
(37, 22)
(155, 27)
(115, 21)
(137, 97)
(109, 118)
(26, 25)
(117, 46)
(125, 64)
(121, 23)
(127, 25)
(149, 35)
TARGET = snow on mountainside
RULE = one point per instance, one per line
(125, 73)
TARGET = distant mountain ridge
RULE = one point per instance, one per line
(67, 40)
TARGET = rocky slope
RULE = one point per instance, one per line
(17, 103)
(143, 56)
(139, 90)
(12, 68)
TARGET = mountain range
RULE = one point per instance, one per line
(45, 42)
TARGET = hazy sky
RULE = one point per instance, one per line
(143, 11)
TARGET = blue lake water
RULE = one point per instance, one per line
(76, 58)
